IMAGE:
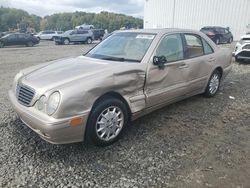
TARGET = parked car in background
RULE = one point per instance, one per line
(218, 34)
(242, 49)
(127, 75)
(18, 39)
(75, 36)
(84, 26)
(98, 34)
(48, 35)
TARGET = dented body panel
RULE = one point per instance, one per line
(82, 80)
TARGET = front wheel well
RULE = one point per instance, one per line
(220, 71)
(113, 95)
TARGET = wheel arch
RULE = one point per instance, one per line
(115, 95)
(220, 71)
(110, 94)
(66, 38)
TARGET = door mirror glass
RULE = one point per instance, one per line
(159, 61)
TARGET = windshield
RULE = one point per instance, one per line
(67, 32)
(123, 46)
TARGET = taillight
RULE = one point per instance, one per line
(210, 33)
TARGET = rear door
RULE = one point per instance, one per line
(200, 59)
(165, 85)
(82, 35)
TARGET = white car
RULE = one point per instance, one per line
(48, 35)
(242, 49)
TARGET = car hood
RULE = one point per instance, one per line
(64, 71)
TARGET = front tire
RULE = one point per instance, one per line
(230, 40)
(89, 40)
(213, 84)
(107, 122)
(217, 41)
(1, 44)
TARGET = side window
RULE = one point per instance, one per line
(171, 47)
(82, 32)
(194, 46)
(12, 36)
(21, 36)
(73, 32)
(207, 48)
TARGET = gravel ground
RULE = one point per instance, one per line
(198, 142)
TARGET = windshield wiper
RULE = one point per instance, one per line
(119, 59)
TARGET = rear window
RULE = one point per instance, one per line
(207, 29)
(194, 46)
(207, 48)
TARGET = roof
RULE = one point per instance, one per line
(158, 31)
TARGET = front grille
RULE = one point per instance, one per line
(24, 94)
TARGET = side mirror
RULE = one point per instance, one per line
(159, 61)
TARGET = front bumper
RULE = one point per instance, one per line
(55, 131)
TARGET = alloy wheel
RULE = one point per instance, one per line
(109, 123)
(214, 84)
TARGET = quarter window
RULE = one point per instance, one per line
(171, 47)
(207, 48)
(194, 46)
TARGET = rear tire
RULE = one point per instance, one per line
(106, 122)
(213, 84)
(66, 41)
(30, 44)
(217, 41)
(237, 59)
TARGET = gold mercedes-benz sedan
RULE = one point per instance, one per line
(127, 75)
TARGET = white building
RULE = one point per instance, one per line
(195, 14)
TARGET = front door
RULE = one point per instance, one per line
(167, 84)
(12, 40)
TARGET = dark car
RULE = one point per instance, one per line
(18, 39)
(218, 34)
(75, 36)
(98, 34)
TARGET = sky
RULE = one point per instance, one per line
(48, 7)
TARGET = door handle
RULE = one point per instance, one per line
(183, 66)
(212, 59)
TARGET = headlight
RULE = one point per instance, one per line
(53, 103)
(41, 103)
